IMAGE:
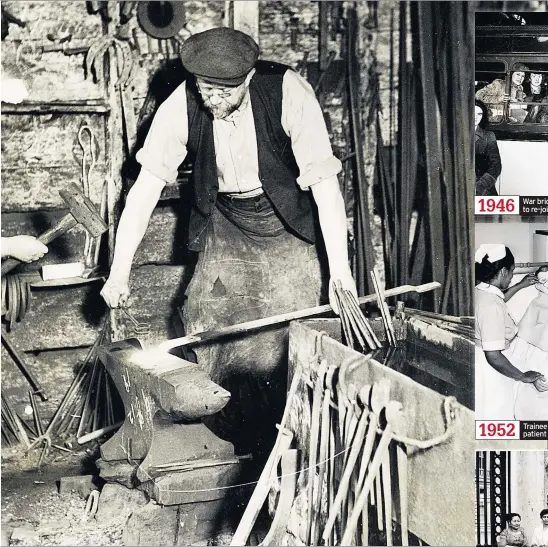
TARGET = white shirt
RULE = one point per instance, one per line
(495, 328)
(235, 140)
(540, 536)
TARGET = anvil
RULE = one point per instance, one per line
(164, 399)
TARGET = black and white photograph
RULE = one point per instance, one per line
(511, 310)
(512, 498)
(237, 282)
(511, 103)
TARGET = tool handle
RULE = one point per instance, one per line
(22, 366)
(64, 225)
(242, 328)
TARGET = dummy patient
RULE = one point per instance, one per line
(532, 338)
(533, 327)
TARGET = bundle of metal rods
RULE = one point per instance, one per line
(424, 207)
(355, 326)
(463, 326)
(87, 406)
(13, 429)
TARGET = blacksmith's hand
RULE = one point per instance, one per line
(346, 281)
(116, 292)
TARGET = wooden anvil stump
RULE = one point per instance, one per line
(164, 399)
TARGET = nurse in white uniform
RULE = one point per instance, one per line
(498, 372)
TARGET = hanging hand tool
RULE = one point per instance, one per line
(393, 416)
(346, 426)
(285, 437)
(313, 445)
(81, 211)
(95, 60)
(86, 176)
(401, 455)
(7, 19)
(19, 361)
(242, 328)
(324, 457)
(16, 296)
(374, 399)
(380, 397)
(285, 502)
(126, 11)
(355, 449)
(28, 54)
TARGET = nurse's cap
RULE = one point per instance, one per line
(493, 252)
(220, 56)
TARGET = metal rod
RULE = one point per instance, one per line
(345, 322)
(363, 338)
(241, 328)
(99, 433)
(37, 419)
(22, 366)
(368, 331)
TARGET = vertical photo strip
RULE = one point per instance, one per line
(512, 498)
(511, 230)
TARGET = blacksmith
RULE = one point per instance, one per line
(267, 206)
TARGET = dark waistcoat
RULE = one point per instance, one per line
(278, 169)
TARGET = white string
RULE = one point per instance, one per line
(270, 480)
(416, 443)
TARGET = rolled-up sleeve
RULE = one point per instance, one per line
(165, 145)
(303, 121)
(491, 325)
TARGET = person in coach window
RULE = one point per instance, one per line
(488, 165)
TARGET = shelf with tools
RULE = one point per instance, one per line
(91, 106)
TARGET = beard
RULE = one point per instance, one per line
(220, 111)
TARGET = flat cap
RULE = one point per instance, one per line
(222, 56)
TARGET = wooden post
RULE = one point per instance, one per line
(245, 17)
(115, 148)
